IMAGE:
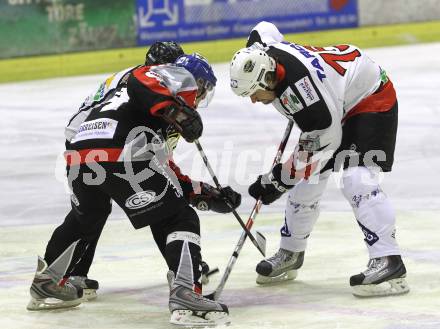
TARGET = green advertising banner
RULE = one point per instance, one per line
(37, 27)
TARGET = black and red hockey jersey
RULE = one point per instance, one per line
(121, 120)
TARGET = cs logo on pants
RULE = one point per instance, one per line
(140, 199)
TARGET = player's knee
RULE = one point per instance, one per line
(358, 183)
(92, 220)
(304, 195)
(296, 209)
(309, 192)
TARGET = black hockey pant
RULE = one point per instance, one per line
(91, 206)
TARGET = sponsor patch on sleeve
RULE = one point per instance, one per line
(291, 101)
(307, 91)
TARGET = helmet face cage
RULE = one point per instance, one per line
(203, 74)
(248, 70)
(162, 52)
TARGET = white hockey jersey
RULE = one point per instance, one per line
(319, 87)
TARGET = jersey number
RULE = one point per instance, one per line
(333, 55)
(120, 97)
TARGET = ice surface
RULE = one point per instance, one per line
(240, 139)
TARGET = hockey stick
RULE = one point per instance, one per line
(260, 244)
(217, 292)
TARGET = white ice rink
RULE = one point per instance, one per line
(240, 140)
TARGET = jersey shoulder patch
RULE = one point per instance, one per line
(307, 91)
(291, 101)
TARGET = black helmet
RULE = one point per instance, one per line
(162, 52)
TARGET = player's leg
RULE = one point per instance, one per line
(68, 243)
(160, 238)
(182, 253)
(368, 134)
(90, 208)
(302, 211)
(154, 201)
(375, 215)
(79, 275)
(48, 289)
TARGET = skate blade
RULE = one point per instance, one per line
(51, 304)
(388, 288)
(188, 318)
(286, 276)
(89, 294)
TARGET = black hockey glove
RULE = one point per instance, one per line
(210, 198)
(186, 120)
(269, 186)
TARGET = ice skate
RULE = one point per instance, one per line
(384, 276)
(88, 286)
(280, 267)
(47, 294)
(193, 310)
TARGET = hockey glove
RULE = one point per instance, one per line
(269, 187)
(186, 120)
(211, 198)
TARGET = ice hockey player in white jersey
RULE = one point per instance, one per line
(119, 148)
(346, 108)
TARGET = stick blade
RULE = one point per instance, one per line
(213, 271)
(261, 240)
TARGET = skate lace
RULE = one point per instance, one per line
(374, 265)
(199, 297)
(67, 288)
(281, 256)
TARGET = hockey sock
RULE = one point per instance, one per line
(302, 211)
(62, 237)
(373, 211)
(73, 230)
(182, 253)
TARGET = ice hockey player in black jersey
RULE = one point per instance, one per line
(346, 108)
(160, 52)
(119, 147)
